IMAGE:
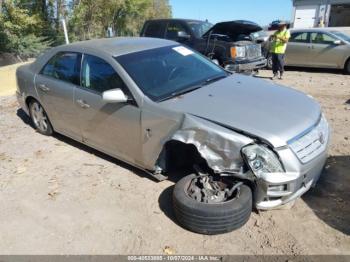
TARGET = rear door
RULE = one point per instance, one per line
(324, 52)
(298, 49)
(55, 85)
(113, 128)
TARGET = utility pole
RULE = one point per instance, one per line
(65, 30)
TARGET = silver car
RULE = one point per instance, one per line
(319, 47)
(237, 141)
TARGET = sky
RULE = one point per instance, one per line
(262, 12)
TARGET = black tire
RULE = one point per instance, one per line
(211, 219)
(347, 67)
(269, 62)
(46, 129)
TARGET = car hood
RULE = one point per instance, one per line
(234, 28)
(253, 106)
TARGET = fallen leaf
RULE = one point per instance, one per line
(21, 169)
(168, 250)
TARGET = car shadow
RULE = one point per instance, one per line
(314, 70)
(24, 117)
(165, 201)
(330, 199)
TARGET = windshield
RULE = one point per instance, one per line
(166, 72)
(199, 28)
(341, 35)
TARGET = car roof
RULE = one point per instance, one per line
(118, 45)
(318, 29)
(174, 19)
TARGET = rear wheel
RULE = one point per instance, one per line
(39, 118)
(347, 67)
(211, 206)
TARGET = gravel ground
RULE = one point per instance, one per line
(60, 197)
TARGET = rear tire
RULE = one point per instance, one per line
(40, 119)
(214, 218)
(347, 67)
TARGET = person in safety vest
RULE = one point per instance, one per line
(279, 42)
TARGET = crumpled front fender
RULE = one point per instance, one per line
(219, 146)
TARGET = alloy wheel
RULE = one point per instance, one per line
(39, 117)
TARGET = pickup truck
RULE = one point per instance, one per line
(229, 44)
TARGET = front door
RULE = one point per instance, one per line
(113, 128)
(325, 52)
(55, 85)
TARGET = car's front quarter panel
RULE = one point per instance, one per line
(218, 145)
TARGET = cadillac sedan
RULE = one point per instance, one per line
(161, 106)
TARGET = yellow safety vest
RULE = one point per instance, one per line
(277, 46)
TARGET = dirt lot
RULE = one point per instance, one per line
(59, 197)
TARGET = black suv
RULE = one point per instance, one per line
(230, 44)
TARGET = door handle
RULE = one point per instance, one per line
(82, 103)
(44, 88)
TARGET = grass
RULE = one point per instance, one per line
(8, 79)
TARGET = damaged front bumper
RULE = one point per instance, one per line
(276, 189)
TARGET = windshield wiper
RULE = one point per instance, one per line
(181, 92)
(214, 79)
(192, 88)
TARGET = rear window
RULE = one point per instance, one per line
(154, 29)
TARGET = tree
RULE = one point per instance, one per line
(91, 18)
(20, 31)
(28, 26)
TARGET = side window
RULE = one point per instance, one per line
(321, 38)
(99, 76)
(64, 66)
(173, 29)
(300, 37)
(155, 29)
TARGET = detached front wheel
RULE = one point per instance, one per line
(211, 206)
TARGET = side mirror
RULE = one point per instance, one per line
(114, 96)
(338, 42)
(183, 35)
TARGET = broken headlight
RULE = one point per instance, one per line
(261, 159)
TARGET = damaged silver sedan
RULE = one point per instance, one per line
(238, 141)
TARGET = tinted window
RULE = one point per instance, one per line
(98, 75)
(64, 66)
(300, 37)
(155, 29)
(173, 29)
(321, 38)
(164, 72)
